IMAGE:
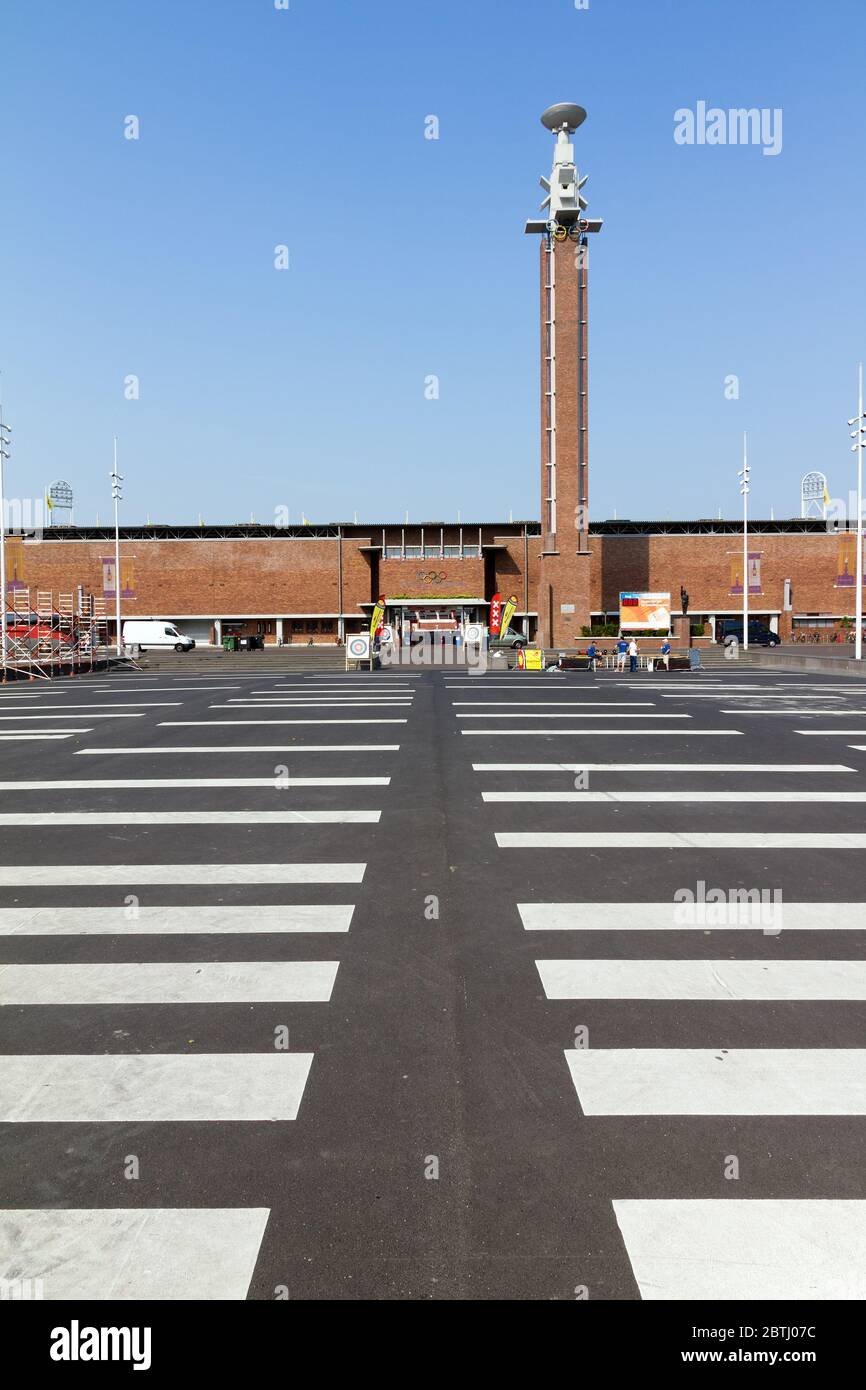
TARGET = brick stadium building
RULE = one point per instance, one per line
(318, 583)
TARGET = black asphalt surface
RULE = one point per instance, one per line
(438, 1041)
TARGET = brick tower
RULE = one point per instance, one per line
(563, 599)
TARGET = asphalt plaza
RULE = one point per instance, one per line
(378, 1049)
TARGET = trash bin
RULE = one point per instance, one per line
(230, 643)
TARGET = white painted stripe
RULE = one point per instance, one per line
(747, 1081)
(61, 818)
(96, 875)
(248, 706)
(29, 714)
(246, 723)
(604, 733)
(133, 704)
(574, 716)
(738, 798)
(148, 1253)
(173, 783)
(800, 713)
(149, 1088)
(170, 982)
(556, 704)
(671, 916)
(174, 921)
(831, 733)
(663, 767)
(236, 748)
(758, 698)
(43, 737)
(695, 979)
(681, 840)
(737, 1249)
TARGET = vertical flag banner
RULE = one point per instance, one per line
(378, 615)
(508, 613)
(846, 564)
(496, 615)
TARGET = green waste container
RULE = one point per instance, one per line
(230, 644)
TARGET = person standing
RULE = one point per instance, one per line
(632, 655)
(621, 653)
(666, 654)
(591, 656)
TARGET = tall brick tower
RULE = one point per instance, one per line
(563, 599)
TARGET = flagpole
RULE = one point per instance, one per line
(4, 454)
(858, 607)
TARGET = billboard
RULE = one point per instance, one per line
(639, 610)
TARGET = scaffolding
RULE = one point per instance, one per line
(51, 634)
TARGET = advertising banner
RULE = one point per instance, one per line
(508, 613)
(735, 558)
(533, 659)
(640, 610)
(378, 615)
(495, 615)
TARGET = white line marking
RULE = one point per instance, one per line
(150, 1253)
(488, 715)
(173, 783)
(575, 798)
(799, 713)
(604, 733)
(556, 704)
(61, 818)
(29, 714)
(748, 1081)
(695, 979)
(174, 921)
(663, 767)
(831, 733)
(96, 875)
(681, 840)
(170, 982)
(745, 1249)
(134, 704)
(146, 1088)
(671, 916)
(42, 737)
(236, 748)
(269, 723)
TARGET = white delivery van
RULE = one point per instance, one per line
(155, 632)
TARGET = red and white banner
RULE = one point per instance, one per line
(495, 615)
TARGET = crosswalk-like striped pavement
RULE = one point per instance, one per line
(200, 1251)
(718, 1247)
(71, 1254)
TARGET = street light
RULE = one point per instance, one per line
(117, 494)
(857, 447)
(743, 475)
(5, 440)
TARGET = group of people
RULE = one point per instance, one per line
(626, 649)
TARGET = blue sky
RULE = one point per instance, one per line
(304, 388)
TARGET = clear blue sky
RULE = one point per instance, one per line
(305, 388)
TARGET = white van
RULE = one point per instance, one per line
(155, 632)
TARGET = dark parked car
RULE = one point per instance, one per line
(731, 630)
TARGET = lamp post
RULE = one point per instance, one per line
(117, 493)
(743, 475)
(5, 434)
(857, 434)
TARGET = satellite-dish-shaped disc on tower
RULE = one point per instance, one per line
(563, 114)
